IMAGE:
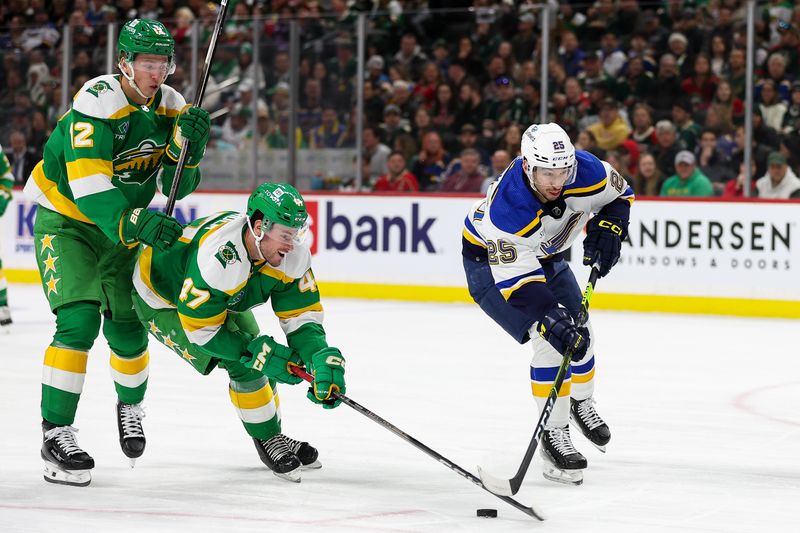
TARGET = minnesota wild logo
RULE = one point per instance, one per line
(137, 165)
(99, 88)
(227, 254)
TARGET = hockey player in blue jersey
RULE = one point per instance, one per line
(514, 242)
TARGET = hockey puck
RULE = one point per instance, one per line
(487, 513)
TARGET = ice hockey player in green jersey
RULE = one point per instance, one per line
(117, 144)
(6, 182)
(196, 298)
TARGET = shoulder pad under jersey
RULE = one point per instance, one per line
(221, 255)
(171, 102)
(101, 97)
(513, 208)
(590, 178)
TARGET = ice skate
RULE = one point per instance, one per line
(307, 454)
(584, 417)
(131, 434)
(5, 319)
(275, 453)
(562, 462)
(64, 461)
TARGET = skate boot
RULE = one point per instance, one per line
(585, 418)
(562, 462)
(304, 451)
(131, 434)
(275, 453)
(5, 319)
(64, 461)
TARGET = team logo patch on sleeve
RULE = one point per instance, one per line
(99, 88)
(227, 254)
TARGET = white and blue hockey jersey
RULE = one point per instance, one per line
(516, 232)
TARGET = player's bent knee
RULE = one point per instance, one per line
(77, 325)
(125, 338)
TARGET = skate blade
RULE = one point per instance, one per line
(293, 475)
(601, 447)
(567, 477)
(316, 465)
(77, 478)
(553, 473)
(132, 462)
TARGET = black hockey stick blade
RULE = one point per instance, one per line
(530, 511)
(509, 487)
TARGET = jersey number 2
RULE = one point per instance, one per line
(200, 296)
(81, 135)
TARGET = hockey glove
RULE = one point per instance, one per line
(5, 198)
(148, 227)
(603, 242)
(272, 359)
(327, 366)
(194, 125)
(558, 328)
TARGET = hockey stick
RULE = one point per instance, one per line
(198, 102)
(530, 511)
(509, 487)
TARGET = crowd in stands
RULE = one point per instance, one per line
(656, 88)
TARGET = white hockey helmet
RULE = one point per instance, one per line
(548, 146)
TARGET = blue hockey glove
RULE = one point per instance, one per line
(603, 242)
(558, 328)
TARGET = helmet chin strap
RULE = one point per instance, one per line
(258, 238)
(124, 63)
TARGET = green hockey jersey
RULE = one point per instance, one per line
(105, 154)
(208, 274)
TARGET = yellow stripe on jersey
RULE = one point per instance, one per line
(191, 323)
(61, 203)
(507, 292)
(283, 315)
(124, 112)
(471, 238)
(88, 167)
(162, 110)
(237, 289)
(130, 366)
(145, 264)
(590, 188)
(267, 270)
(252, 400)
(66, 359)
(535, 222)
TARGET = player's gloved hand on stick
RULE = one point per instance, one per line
(193, 124)
(149, 227)
(327, 367)
(558, 328)
(603, 243)
(5, 198)
(272, 359)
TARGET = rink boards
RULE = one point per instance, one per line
(731, 258)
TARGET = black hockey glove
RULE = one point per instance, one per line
(558, 328)
(603, 242)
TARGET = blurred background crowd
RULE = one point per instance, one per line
(656, 88)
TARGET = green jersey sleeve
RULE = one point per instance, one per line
(88, 158)
(296, 302)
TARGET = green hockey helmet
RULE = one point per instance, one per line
(278, 203)
(143, 36)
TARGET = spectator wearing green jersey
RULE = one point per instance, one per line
(688, 180)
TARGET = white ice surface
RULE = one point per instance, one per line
(703, 411)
